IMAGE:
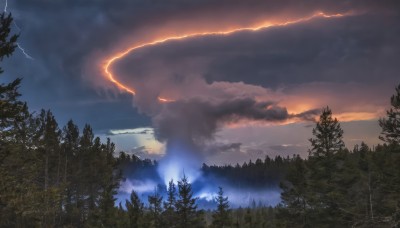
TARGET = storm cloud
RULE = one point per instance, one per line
(276, 75)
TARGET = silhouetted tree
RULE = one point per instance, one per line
(155, 207)
(322, 168)
(295, 192)
(391, 124)
(10, 106)
(135, 210)
(328, 135)
(105, 215)
(69, 148)
(48, 138)
(185, 204)
(221, 216)
(10, 109)
(169, 213)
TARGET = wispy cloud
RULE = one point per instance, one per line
(142, 131)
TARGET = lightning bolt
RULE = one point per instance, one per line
(16, 26)
(19, 29)
(111, 60)
(24, 52)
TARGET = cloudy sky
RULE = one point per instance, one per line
(233, 96)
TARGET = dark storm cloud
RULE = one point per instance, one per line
(217, 148)
(361, 48)
(232, 146)
(68, 38)
(197, 120)
(343, 57)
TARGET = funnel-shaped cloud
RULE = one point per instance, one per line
(277, 75)
(199, 108)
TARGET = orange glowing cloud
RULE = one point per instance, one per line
(108, 62)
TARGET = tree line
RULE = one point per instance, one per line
(335, 187)
(52, 176)
(49, 176)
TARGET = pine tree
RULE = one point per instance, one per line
(186, 204)
(169, 215)
(48, 140)
(107, 212)
(327, 146)
(295, 192)
(364, 185)
(221, 216)
(155, 207)
(391, 134)
(122, 217)
(83, 175)
(69, 148)
(391, 125)
(328, 135)
(20, 196)
(135, 210)
(10, 106)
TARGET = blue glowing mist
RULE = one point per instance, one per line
(178, 162)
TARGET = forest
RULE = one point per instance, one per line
(61, 176)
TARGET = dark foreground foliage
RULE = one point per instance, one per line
(61, 177)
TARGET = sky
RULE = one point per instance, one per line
(232, 97)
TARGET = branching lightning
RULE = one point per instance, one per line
(108, 62)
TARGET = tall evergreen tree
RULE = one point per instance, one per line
(328, 135)
(294, 194)
(107, 213)
(48, 138)
(326, 147)
(155, 207)
(391, 125)
(83, 175)
(391, 134)
(221, 216)
(364, 184)
(134, 208)
(186, 204)
(169, 214)
(20, 167)
(10, 106)
(69, 148)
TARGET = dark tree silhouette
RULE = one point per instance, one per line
(221, 216)
(185, 204)
(135, 210)
(327, 135)
(391, 124)
(10, 107)
(155, 207)
(169, 214)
